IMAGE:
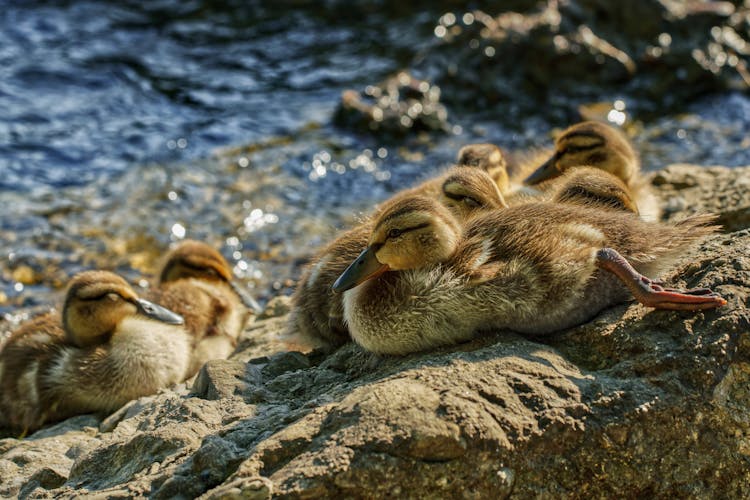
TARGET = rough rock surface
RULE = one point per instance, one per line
(636, 403)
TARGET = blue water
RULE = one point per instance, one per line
(92, 88)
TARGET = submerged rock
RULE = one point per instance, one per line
(399, 105)
(634, 402)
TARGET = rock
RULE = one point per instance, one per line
(400, 105)
(252, 488)
(654, 54)
(685, 189)
(634, 401)
(222, 378)
(276, 307)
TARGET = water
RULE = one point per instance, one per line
(126, 126)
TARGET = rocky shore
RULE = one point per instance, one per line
(635, 403)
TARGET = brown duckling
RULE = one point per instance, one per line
(598, 146)
(489, 158)
(595, 188)
(196, 282)
(109, 347)
(317, 313)
(536, 268)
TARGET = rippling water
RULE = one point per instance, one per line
(126, 126)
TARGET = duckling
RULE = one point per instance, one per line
(317, 312)
(489, 158)
(599, 146)
(594, 187)
(196, 282)
(536, 268)
(109, 347)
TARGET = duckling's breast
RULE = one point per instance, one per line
(409, 311)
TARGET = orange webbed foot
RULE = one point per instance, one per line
(651, 293)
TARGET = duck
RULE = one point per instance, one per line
(423, 281)
(196, 282)
(317, 317)
(108, 346)
(596, 146)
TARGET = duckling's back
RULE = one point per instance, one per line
(23, 360)
(546, 253)
(213, 312)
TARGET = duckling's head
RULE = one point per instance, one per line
(488, 158)
(410, 233)
(467, 190)
(594, 187)
(592, 144)
(195, 259)
(97, 301)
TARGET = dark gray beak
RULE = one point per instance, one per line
(364, 267)
(245, 297)
(158, 313)
(545, 172)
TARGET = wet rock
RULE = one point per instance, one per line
(659, 53)
(400, 105)
(634, 401)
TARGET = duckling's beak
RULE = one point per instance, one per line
(245, 297)
(545, 172)
(364, 267)
(158, 313)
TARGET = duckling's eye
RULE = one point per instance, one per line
(212, 272)
(394, 233)
(473, 203)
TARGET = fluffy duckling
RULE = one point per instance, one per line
(196, 282)
(599, 146)
(536, 268)
(594, 187)
(489, 158)
(109, 347)
(318, 313)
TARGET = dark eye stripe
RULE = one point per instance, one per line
(463, 198)
(96, 297)
(578, 149)
(414, 228)
(454, 196)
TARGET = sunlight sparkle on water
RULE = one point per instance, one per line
(258, 219)
(616, 117)
(178, 231)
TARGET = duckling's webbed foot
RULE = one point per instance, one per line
(650, 292)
